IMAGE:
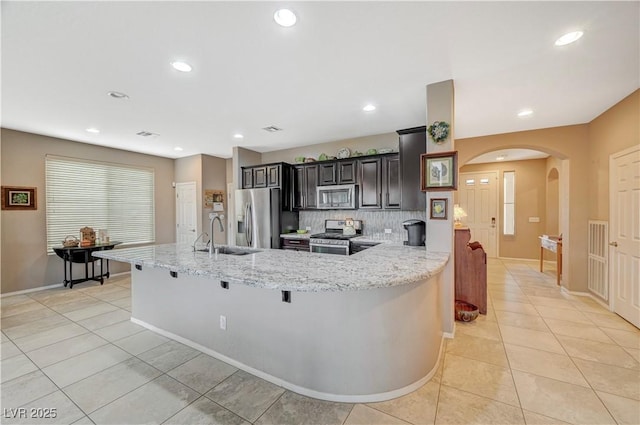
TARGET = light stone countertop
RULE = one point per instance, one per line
(387, 264)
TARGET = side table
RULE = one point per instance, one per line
(82, 254)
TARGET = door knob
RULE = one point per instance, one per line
(613, 244)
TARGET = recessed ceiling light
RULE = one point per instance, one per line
(285, 17)
(569, 38)
(117, 95)
(369, 108)
(93, 130)
(525, 113)
(178, 148)
(238, 136)
(181, 66)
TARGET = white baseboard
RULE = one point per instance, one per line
(27, 291)
(588, 295)
(368, 398)
(44, 288)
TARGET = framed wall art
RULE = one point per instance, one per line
(439, 171)
(438, 209)
(19, 198)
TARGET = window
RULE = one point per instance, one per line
(509, 203)
(118, 198)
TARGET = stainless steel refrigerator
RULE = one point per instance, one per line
(260, 218)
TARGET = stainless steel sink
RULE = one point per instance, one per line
(227, 250)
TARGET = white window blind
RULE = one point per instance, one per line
(509, 203)
(114, 197)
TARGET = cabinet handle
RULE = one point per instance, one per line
(293, 242)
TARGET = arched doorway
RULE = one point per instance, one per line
(536, 201)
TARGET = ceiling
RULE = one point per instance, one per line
(59, 60)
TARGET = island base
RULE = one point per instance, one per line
(347, 346)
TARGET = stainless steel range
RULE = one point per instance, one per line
(335, 239)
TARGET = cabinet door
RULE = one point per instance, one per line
(247, 178)
(391, 182)
(327, 174)
(412, 145)
(310, 186)
(370, 183)
(298, 187)
(274, 175)
(260, 177)
(347, 172)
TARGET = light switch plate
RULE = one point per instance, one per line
(308, 228)
(534, 219)
(388, 231)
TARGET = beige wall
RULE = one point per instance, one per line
(616, 129)
(214, 177)
(530, 202)
(362, 144)
(570, 144)
(25, 263)
(208, 172)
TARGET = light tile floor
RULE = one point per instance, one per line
(539, 356)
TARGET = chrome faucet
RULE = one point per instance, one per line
(197, 239)
(213, 217)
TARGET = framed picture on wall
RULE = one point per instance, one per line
(19, 198)
(438, 209)
(439, 171)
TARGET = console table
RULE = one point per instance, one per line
(82, 254)
(553, 244)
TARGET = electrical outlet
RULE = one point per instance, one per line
(223, 323)
(534, 219)
(308, 228)
(387, 231)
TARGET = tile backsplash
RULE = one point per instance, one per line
(374, 222)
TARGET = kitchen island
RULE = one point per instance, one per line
(359, 328)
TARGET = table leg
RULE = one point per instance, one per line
(64, 263)
(559, 266)
(541, 257)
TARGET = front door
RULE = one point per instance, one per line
(624, 237)
(186, 213)
(477, 196)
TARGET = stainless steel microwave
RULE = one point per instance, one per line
(337, 197)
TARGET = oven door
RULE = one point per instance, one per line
(330, 249)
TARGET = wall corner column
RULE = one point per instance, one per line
(440, 234)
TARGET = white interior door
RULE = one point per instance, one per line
(478, 196)
(186, 212)
(624, 235)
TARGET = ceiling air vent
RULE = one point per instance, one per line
(146, 134)
(272, 129)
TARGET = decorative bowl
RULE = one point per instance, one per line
(70, 242)
(372, 151)
(310, 160)
(301, 231)
(385, 150)
(300, 158)
(466, 312)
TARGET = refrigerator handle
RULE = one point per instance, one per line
(249, 224)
